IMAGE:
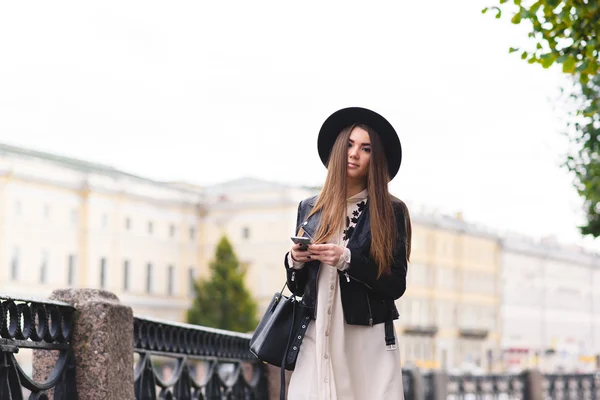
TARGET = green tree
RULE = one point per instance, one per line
(222, 301)
(566, 33)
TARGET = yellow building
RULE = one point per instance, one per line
(70, 223)
(449, 316)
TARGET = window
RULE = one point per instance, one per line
(192, 233)
(191, 281)
(71, 270)
(126, 275)
(419, 312)
(44, 267)
(479, 282)
(150, 227)
(73, 216)
(246, 232)
(171, 230)
(18, 207)
(127, 223)
(102, 273)
(149, 278)
(14, 264)
(446, 278)
(170, 278)
(419, 274)
(446, 314)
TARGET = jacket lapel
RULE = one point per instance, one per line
(361, 235)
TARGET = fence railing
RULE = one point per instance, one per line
(486, 387)
(47, 327)
(571, 386)
(196, 363)
(529, 385)
(181, 361)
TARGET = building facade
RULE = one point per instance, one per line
(70, 223)
(550, 307)
(449, 316)
(476, 301)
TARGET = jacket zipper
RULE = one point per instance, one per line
(293, 276)
(370, 315)
(357, 280)
(366, 294)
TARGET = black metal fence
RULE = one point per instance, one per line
(571, 386)
(486, 387)
(181, 361)
(44, 326)
(528, 385)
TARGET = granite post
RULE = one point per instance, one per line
(533, 384)
(274, 378)
(102, 345)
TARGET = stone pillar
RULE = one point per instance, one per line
(102, 345)
(440, 385)
(274, 377)
(418, 384)
(533, 384)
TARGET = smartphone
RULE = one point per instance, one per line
(303, 241)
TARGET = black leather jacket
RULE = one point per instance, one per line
(366, 299)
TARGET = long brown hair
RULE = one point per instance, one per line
(333, 197)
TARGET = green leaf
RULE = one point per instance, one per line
(516, 19)
(513, 49)
(547, 60)
(569, 65)
(582, 67)
(523, 55)
(484, 10)
(589, 51)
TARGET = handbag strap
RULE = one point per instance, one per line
(287, 347)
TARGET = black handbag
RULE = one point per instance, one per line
(279, 333)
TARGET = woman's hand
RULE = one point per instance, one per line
(299, 255)
(326, 253)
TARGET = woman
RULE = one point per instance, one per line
(355, 266)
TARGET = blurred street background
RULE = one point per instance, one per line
(135, 135)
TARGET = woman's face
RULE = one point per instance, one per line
(359, 153)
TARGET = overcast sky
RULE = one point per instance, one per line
(211, 91)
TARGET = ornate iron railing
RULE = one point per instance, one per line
(199, 363)
(407, 384)
(571, 386)
(40, 325)
(486, 387)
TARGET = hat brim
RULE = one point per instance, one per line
(345, 117)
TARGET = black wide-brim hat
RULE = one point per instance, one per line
(356, 115)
